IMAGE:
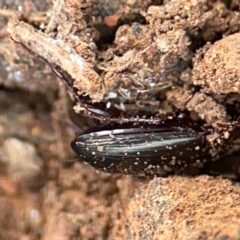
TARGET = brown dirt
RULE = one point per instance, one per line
(153, 56)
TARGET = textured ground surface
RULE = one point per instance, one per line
(150, 55)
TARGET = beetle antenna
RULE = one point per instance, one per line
(68, 81)
(71, 124)
(56, 70)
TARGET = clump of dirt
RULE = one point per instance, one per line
(174, 208)
(142, 57)
(222, 60)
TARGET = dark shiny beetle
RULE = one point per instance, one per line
(142, 149)
(140, 146)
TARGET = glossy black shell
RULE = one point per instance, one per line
(143, 149)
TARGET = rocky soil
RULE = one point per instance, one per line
(142, 56)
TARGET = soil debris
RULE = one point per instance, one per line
(143, 57)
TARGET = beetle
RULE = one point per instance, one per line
(171, 144)
(142, 149)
